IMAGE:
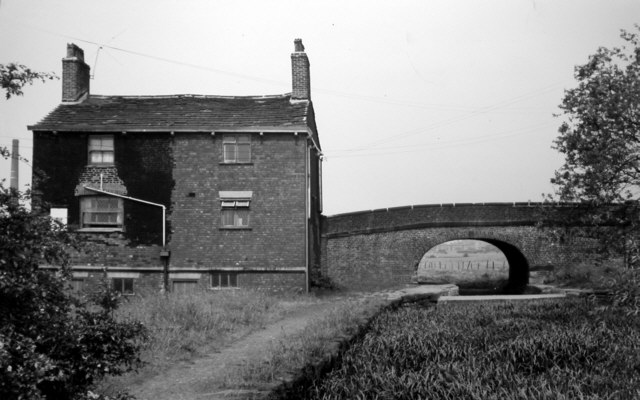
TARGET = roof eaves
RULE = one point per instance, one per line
(188, 96)
(221, 129)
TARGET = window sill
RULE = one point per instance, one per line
(235, 228)
(100, 230)
(236, 163)
(224, 288)
(101, 165)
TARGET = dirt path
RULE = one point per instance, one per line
(203, 377)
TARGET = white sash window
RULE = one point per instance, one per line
(236, 149)
(101, 149)
(101, 212)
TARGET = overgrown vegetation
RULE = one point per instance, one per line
(591, 274)
(52, 346)
(319, 339)
(548, 350)
(183, 326)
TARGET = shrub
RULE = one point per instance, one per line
(52, 346)
(625, 291)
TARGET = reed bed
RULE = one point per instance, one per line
(549, 350)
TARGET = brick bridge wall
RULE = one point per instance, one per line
(382, 248)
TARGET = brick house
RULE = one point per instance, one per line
(184, 191)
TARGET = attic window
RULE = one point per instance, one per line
(236, 149)
(101, 149)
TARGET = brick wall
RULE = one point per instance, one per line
(380, 249)
(276, 234)
(434, 215)
(75, 74)
(186, 173)
(115, 250)
(295, 281)
(300, 73)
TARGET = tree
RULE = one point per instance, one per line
(600, 139)
(15, 76)
(52, 345)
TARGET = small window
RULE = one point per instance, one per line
(224, 279)
(59, 214)
(235, 214)
(101, 149)
(122, 285)
(236, 149)
(101, 212)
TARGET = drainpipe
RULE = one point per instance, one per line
(164, 253)
(307, 212)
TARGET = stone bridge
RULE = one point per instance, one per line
(377, 249)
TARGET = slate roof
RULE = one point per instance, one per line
(178, 113)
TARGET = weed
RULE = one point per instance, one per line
(182, 326)
(316, 343)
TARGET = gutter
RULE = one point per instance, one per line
(315, 145)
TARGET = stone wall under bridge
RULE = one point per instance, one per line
(378, 249)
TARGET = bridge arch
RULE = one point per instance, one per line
(378, 249)
(517, 261)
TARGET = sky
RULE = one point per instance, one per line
(416, 102)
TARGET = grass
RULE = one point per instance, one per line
(548, 350)
(183, 326)
(317, 342)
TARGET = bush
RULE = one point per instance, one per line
(625, 291)
(52, 346)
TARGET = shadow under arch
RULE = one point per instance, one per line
(518, 266)
(518, 277)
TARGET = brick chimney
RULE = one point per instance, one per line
(300, 73)
(75, 74)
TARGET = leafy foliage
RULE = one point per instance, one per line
(624, 289)
(600, 139)
(52, 346)
(546, 350)
(13, 77)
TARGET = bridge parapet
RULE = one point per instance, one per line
(432, 216)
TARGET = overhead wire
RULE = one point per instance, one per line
(472, 111)
(454, 120)
(357, 96)
(434, 146)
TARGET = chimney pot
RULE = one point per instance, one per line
(75, 51)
